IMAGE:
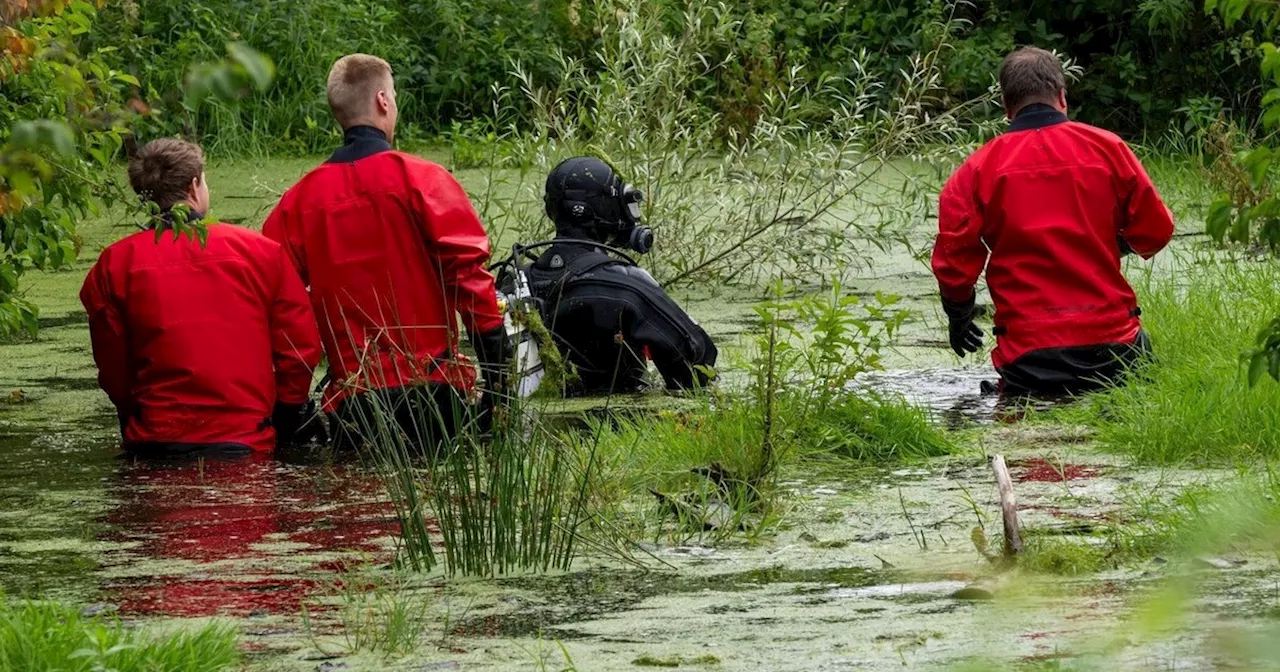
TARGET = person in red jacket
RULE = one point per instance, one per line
(1048, 208)
(201, 346)
(392, 251)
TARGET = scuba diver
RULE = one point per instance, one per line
(607, 315)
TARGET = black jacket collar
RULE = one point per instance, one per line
(1036, 115)
(360, 142)
(164, 220)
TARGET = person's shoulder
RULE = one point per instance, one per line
(311, 181)
(127, 243)
(1094, 132)
(242, 237)
(417, 166)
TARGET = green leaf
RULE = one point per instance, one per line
(260, 68)
(1271, 116)
(1218, 219)
(1240, 229)
(1257, 367)
(1258, 162)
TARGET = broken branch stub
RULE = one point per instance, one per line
(1009, 506)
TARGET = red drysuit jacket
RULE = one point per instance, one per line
(1045, 207)
(195, 344)
(392, 251)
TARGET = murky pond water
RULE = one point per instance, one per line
(874, 567)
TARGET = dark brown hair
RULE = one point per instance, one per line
(1030, 75)
(163, 169)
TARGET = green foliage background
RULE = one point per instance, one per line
(1149, 65)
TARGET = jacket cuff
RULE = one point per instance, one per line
(959, 310)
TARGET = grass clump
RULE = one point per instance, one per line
(875, 428)
(722, 459)
(1193, 403)
(49, 636)
(1063, 557)
(500, 499)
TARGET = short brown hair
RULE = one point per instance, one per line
(1030, 75)
(353, 82)
(163, 169)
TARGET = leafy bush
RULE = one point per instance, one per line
(61, 125)
(156, 42)
(1146, 62)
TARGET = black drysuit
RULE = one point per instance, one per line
(608, 315)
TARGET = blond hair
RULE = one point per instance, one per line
(354, 80)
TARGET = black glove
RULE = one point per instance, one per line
(298, 424)
(494, 351)
(311, 428)
(965, 336)
(1125, 248)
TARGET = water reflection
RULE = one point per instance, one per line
(956, 397)
(241, 536)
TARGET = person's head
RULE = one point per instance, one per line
(170, 171)
(363, 93)
(587, 199)
(1032, 75)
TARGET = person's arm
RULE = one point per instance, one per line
(959, 254)
(295, 348)
(109, 335)
(679, 347)
(460, 247)
(277, 228)
(1148, 223)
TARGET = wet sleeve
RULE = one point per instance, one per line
(279, 227)
(680, 348)
(1148, 223)
(959, 254)
(109, 334)
(295, 338)
(460, 247)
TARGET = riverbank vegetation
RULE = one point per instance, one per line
(54, 637)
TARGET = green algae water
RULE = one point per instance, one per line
(871, 566)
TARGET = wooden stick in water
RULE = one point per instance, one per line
(1012, 539)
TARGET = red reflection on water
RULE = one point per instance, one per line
(243, 533)
(1039, 470)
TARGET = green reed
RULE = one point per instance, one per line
(486, 502)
